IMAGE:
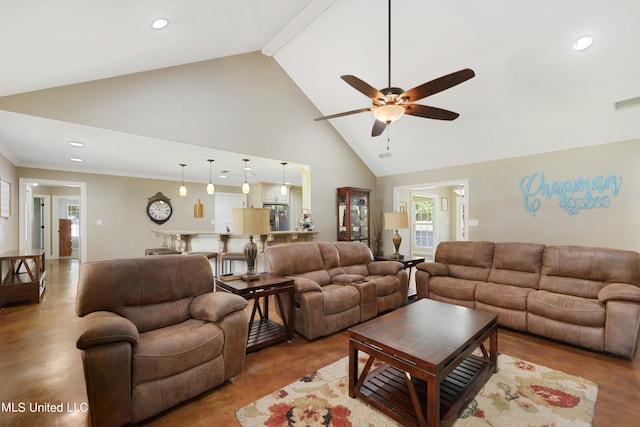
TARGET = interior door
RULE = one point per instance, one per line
(64, 231)
(225, 203)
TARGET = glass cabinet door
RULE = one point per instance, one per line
(353, 214)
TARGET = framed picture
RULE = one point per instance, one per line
(403, 206)
(444, 204)
(5, 199)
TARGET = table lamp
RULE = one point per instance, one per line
(251, 221)
(395, 221)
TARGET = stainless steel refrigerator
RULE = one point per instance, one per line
(279, 217)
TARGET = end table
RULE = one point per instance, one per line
(264, 332)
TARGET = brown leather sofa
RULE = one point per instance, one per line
(337, 285)
(586, 296)
(154, 334)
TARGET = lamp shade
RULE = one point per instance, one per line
(396, 220)
(252, 221)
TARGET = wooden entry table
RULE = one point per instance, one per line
(428, 372)
(264, 332)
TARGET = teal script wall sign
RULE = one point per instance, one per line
(574, 196)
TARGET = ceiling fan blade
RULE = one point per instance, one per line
(362, 86)
(438, 85)
(346, 113)
(430, 112)
(378, 127)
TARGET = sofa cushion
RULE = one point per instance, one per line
(339, 298)
(517, 264)
(452, 288)
(321, 277)
(466, 260)
(159, 354)
(582, 271)
(110, 284)
(330, 258)
(154, 316)
(294, 258)
(506, 296)
(567, 308)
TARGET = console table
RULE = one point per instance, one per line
(24, 279)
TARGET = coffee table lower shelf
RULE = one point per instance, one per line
(387, 390)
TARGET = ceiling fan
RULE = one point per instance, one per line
(391, 103)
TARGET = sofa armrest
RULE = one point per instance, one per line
(620, 292)
(303, 284)
(384, 268)
(434, 268)
(105, 327)
(348, 278)
(214, 306)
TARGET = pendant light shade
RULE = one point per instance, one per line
(283, 188)
(183, 189)
(210, 187)
(245, 186)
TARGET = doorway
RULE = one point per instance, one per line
(437, 212)
(32, 219)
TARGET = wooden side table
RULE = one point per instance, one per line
(264, 332)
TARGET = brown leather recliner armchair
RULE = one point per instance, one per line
(154, 334)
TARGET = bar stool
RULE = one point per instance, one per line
(228, 258)
(210, 256)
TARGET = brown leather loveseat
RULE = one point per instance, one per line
(154, 334)
(337, 285)
(586, 296)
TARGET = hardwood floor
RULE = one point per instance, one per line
(39, 364)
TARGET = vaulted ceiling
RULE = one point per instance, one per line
(532, 92)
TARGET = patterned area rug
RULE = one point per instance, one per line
(520, 393)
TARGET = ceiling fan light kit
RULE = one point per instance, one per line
(388, 113)
(391, 103)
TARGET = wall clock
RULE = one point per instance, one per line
(159, 208)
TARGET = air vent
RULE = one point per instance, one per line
(627, 102)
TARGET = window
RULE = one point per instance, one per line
(423, 235)
(73, 213)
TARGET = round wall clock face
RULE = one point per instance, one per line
(159, 209)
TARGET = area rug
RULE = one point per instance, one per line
(519, 394)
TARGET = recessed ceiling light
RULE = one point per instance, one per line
(76, 144)
(75, 159)
(582, 43)
(159, 23)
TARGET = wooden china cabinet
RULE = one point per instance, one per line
(353, 214)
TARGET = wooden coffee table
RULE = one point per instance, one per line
(264, 332)
(428, 372)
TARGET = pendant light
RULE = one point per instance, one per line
(210, 187)
(283, 188)
(245, 186)
(183, 189)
